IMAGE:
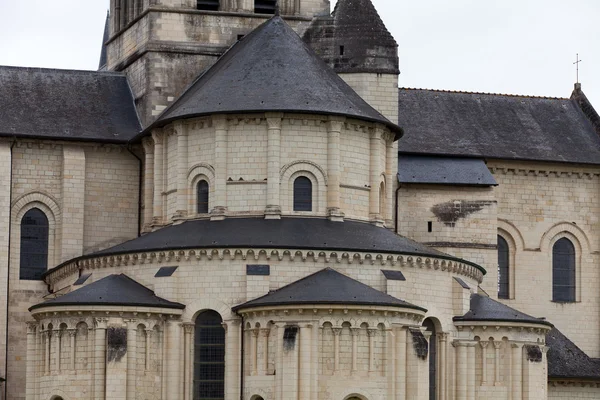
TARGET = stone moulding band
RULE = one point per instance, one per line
(157, 257)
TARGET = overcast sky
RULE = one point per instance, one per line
(501, 46)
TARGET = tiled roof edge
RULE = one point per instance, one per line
(586, 107)
(483, 93)
(59, 70)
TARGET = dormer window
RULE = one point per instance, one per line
(209, 5)
(265, 6)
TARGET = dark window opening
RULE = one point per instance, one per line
(341, 50)
(209, 357)
(563, 271)
(209, 5)
(265, 6)
(503, 269)
(430, 226)
(240, 37)
(34, 245)
(302, 194)
(432, 358)
(203, 190)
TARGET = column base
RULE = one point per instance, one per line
(376, 220)
(179, 216)
(335, 215)
(218, 213)
(273, 212)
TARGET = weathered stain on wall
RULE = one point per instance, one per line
(450, 212)
(117, 344)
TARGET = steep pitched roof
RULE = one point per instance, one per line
(66, 105)
(105, 37)
(113, 290)
(496, 126)
(285, 233)
(444, 171)
(484, 309)
(271, 69)
(327, 287)
(567, 361)
(354, 39)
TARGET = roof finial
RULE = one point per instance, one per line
(277, 13)
(577, 61)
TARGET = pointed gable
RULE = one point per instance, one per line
(271, 69)
(327, 287)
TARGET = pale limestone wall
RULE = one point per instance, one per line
(5, 176)
(379, 90)
(537, 205)
(572, 391)
(233, 156)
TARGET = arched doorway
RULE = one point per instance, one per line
(430, 325)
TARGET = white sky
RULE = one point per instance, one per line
(501, 46)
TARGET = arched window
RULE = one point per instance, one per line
(382, 199)
(563, 271)
(34, 245)
(302, 194)
(503, 269)
(429, 324)
(210, 5)
(202, 197)
(209, 357)
(265, 6)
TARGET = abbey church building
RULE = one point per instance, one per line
(241, 203)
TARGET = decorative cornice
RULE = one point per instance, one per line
(539, 172)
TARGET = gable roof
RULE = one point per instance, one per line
(66, 105)
(356, 27)
(327, 287)
(496, 126)
(113, 290)
(444, 171)
(484, 309)
(271, 69)
(567, 361)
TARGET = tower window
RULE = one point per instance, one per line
(209, 357)
(341, 50)
(202, 197)
(563, 271)
(265, 6)
(503, 269)
(302, 194)
(210, 5)
(34, 245)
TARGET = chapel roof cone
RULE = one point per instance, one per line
(354, 39)
(105, 37)
(272, 70)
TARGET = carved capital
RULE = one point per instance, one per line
(72, 332)
(220, 122)
(157, 138)
(265, 332)
(337, 331)
(497, 344)
(274, 120)
(355, 332)
(188, 328)
(32, 327)
(484, 344)
(371, 332)
(148, 144)
(100, 323)
(335, 124)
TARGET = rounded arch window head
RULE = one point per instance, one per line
(35, 230)
(302, 194)
(503, 269)
(563, 271)
(203, 190)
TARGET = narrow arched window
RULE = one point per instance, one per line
(265, 6)
(209, 357)
(430, 325)
(34, 245)
(563, 271)
(202, 197)
(503, 269)
(210, 5)
(382, 199)
(302, 194)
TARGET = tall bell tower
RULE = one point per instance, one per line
(163, 45)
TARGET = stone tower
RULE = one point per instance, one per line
(163, 45)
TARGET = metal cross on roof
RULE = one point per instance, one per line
(577, 63)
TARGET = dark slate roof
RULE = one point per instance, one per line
(444, 171)
(271, 69)
(484, 309)
(327, 287)
(105, 37)
(367, 44)
(286, 233)
(567, 361)
(66, 105)
(496, 126)
(113, 290)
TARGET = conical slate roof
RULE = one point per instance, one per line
(354, 39)
(113, 290)
(103, 51)
(483, 308)
(327, 287)
(271, 69)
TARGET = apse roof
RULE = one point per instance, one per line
(327, 287)
(497, 126)
(271, 69)
(113, 290)
(567, 361)
(285, 233)
(66, 105)
(444, 171)
(483, 309)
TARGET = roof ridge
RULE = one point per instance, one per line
(485, 93)
(61, 70)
